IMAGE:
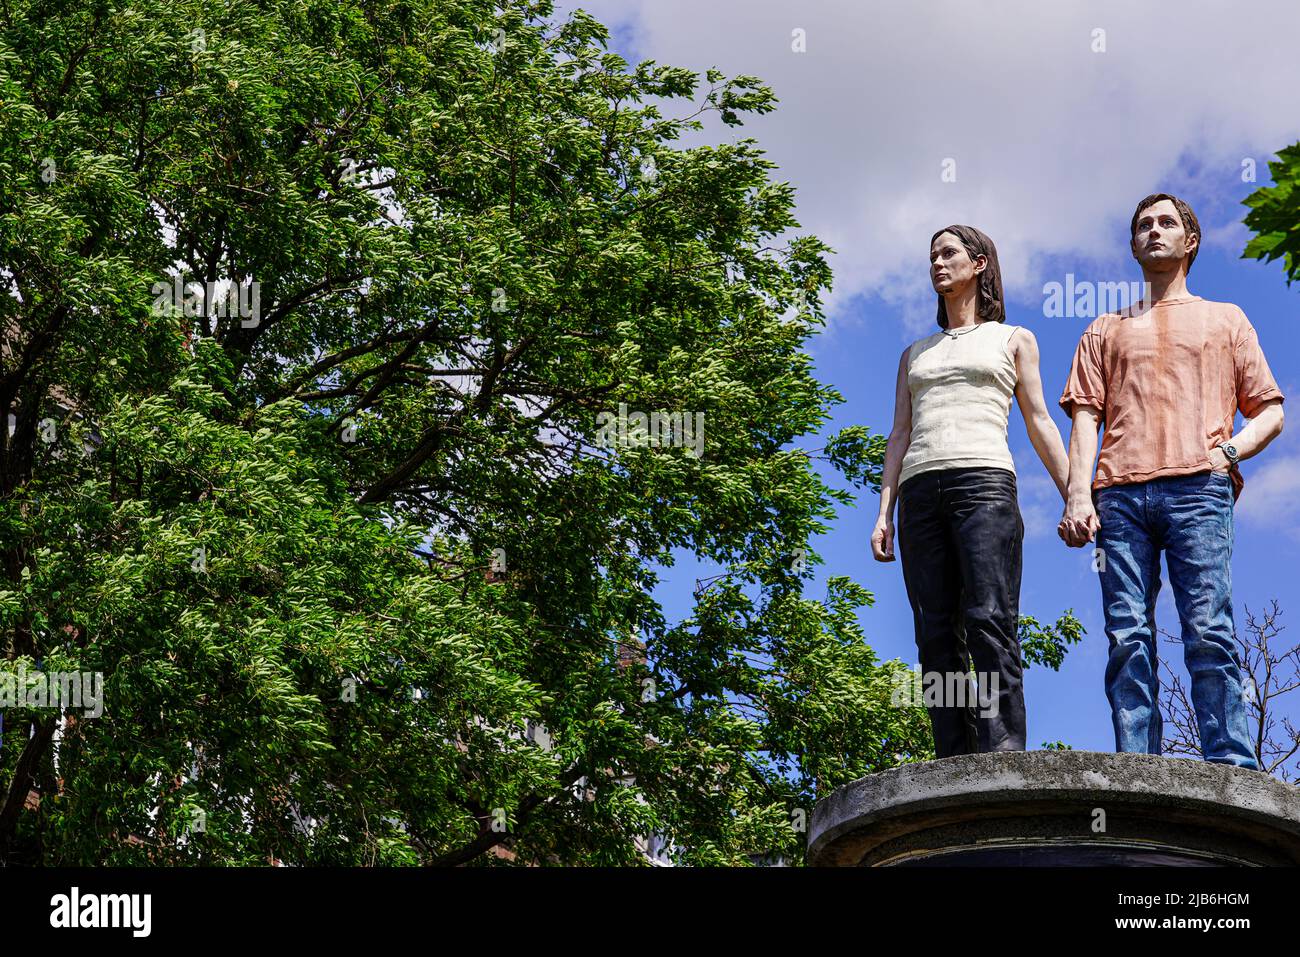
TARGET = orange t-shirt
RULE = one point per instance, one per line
(1168, 380)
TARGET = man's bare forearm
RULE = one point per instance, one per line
(1083, 453)
(1259, 431)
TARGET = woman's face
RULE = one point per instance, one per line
(951, 267)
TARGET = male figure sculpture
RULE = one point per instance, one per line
(1167, 377)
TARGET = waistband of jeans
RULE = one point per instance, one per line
(1164, 480)
(987, 471)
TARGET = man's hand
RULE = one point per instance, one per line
(1080, 523)
(882, 540)
(1219, 460)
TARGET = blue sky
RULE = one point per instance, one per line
(1057, 118)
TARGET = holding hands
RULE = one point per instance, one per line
(1080, 523)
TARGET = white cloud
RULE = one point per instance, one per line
(1271, 498)
(1054, 143)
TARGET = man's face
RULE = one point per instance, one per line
(1160, 242)
(951, 267)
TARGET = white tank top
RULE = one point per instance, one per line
(961, 395)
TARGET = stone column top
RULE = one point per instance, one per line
(1046, 799)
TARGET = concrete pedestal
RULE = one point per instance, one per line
(1058, 808)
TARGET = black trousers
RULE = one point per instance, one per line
(960, 535)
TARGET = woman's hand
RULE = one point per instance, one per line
(882, 540)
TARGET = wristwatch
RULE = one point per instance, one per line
(1230, 451)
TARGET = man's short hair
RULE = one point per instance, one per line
(1191, 225)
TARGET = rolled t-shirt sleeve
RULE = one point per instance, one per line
(1087, 383)
(1255, 382)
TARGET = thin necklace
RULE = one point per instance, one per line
(954, 335)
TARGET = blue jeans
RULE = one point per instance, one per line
(1190, 518)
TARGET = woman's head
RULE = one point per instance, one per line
(961, 256)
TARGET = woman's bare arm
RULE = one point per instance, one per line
(900, 437)
(1043, 433)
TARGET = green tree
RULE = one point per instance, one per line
(1274, 215)
(363, 582)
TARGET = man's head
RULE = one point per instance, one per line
(1163, 233)
(961, 256)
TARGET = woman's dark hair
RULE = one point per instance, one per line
(989, 304)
